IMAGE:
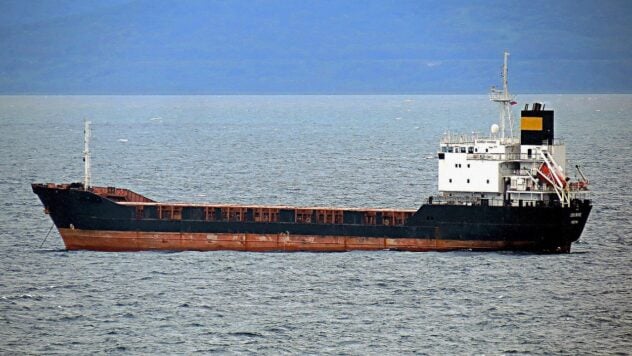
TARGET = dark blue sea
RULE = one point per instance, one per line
(351, 151)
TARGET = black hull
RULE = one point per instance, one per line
(89, 221)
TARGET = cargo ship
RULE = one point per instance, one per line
(498, 192)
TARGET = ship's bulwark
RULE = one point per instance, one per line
(110, 219)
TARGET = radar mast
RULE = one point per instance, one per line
(505, 100)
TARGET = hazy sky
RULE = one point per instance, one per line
(185, 47)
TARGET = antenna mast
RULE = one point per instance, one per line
(86, 155)
(504, 99)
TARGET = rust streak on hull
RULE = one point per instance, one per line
(76, 239)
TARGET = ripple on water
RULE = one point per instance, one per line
(300, 150)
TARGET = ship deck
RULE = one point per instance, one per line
(146, 208)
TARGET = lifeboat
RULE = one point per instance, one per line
(547, 174)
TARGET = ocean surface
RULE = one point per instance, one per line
(352, 151)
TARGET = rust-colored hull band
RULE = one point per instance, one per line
(76, 239)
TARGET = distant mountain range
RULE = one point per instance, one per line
(337, 47)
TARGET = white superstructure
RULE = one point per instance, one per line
(502, 169)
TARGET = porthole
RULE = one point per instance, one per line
(488, 181)
(450, 180)
(468, 180)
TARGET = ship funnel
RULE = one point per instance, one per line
(536, 125)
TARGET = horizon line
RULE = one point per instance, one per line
(302, 93)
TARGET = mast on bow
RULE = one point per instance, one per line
(86, 155)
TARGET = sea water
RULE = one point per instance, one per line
(349, 151)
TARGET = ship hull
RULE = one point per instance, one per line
(87, 221)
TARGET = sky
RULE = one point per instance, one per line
(313, 47)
